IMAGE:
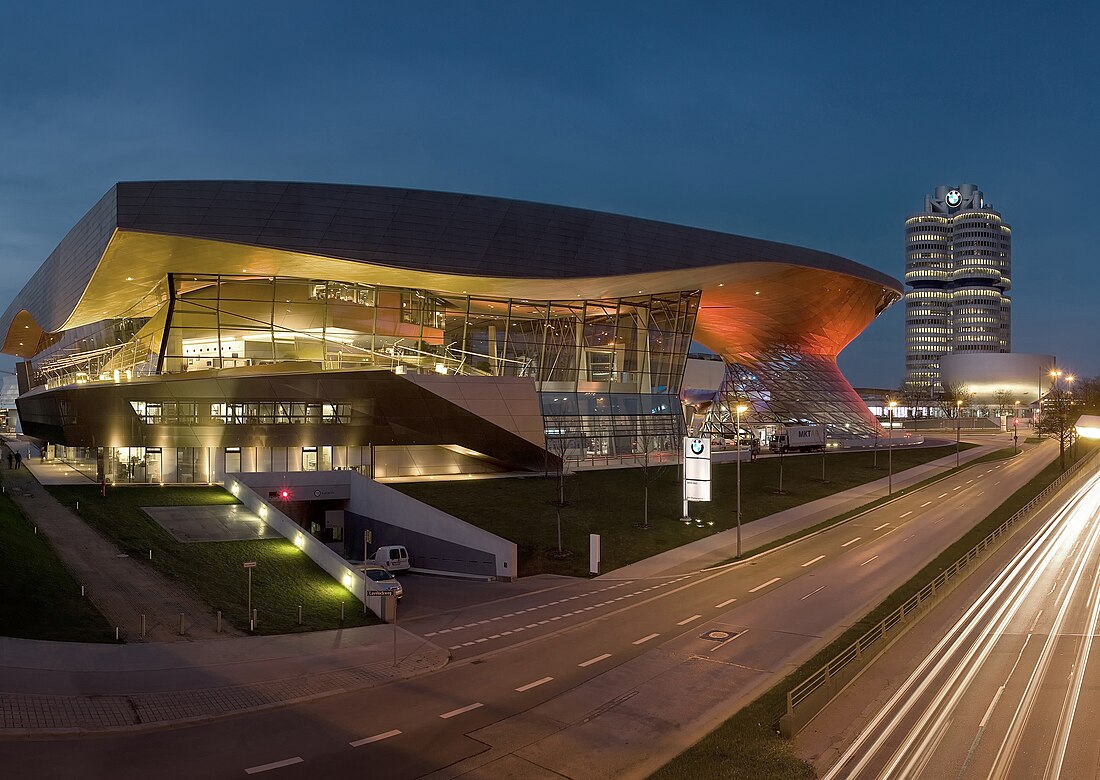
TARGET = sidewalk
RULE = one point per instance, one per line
(68, 687)
(723, 545)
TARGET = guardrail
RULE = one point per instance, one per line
(810, 696)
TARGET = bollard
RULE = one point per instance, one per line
(142, 625)
(36, 530)
(219, 621)
(81, 590)
(181, 624)
(341, 612)
(255, 618)
(299, 614)
(116, 633)
(150, 555)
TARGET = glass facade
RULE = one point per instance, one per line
(790, 387)
(608, 371)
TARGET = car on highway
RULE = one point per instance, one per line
(382, 579)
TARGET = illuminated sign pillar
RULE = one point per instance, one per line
(696, 471)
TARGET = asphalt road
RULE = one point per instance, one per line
(1009, 691)
(594, 678)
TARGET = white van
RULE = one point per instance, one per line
(393, 557)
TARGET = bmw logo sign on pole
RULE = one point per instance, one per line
(697, 446)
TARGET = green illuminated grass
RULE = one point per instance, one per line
(283, 578)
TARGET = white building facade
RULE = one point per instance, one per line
(958, 269)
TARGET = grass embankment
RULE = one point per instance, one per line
(610, 503)
(283, 578)
(748, 745)
(39, 598)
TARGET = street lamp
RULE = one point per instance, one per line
(890, 450)
(958, 424)
(740, 409)
(1015, 430)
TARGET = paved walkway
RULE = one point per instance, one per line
(120, 587)
(723, 546)
(59, 686)
(53, 686)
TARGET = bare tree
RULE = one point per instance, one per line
(949, 399)
(1004, 401)
(1059, 417)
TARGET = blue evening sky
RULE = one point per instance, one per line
(819, 124)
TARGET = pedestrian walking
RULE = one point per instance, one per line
(18, 459)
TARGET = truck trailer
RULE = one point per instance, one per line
(799, 438)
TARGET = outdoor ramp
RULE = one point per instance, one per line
(436, 541)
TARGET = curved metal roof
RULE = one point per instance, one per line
(139, 231)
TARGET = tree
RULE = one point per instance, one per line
(948, 400)
(1004, 402)
(1058, 418)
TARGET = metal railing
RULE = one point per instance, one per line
(810, 696)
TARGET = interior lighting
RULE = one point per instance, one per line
(440, 368)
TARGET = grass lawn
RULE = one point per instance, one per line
(611, 503)
(748, 745)
(283, 578)
(39, 599)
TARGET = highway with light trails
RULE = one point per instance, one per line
(1010, 689)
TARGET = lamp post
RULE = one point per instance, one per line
(890, 450)
(1015, 429)
(958, 425)
(740, 408)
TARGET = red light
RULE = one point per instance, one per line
(1016, 421)
(285, 494)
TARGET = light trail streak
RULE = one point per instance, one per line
(972, 637)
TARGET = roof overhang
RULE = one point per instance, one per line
(745, 305)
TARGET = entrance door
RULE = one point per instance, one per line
(152, 465)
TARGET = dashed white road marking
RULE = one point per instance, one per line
(375, 738)
(942, 495)
(534, 684)
(969, 481)
(685, 621)
(815, 560)
(725, 603)
(461, 710)
(926, 503)
(957, 487)
(910, 536)
(255, 770)
(868, 561)
(645, 639)
(851, 541)
(772, 581)
(595, 660)
(879, 528)
(905, 515)
(812, 592)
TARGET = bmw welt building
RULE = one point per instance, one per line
(183, 330)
